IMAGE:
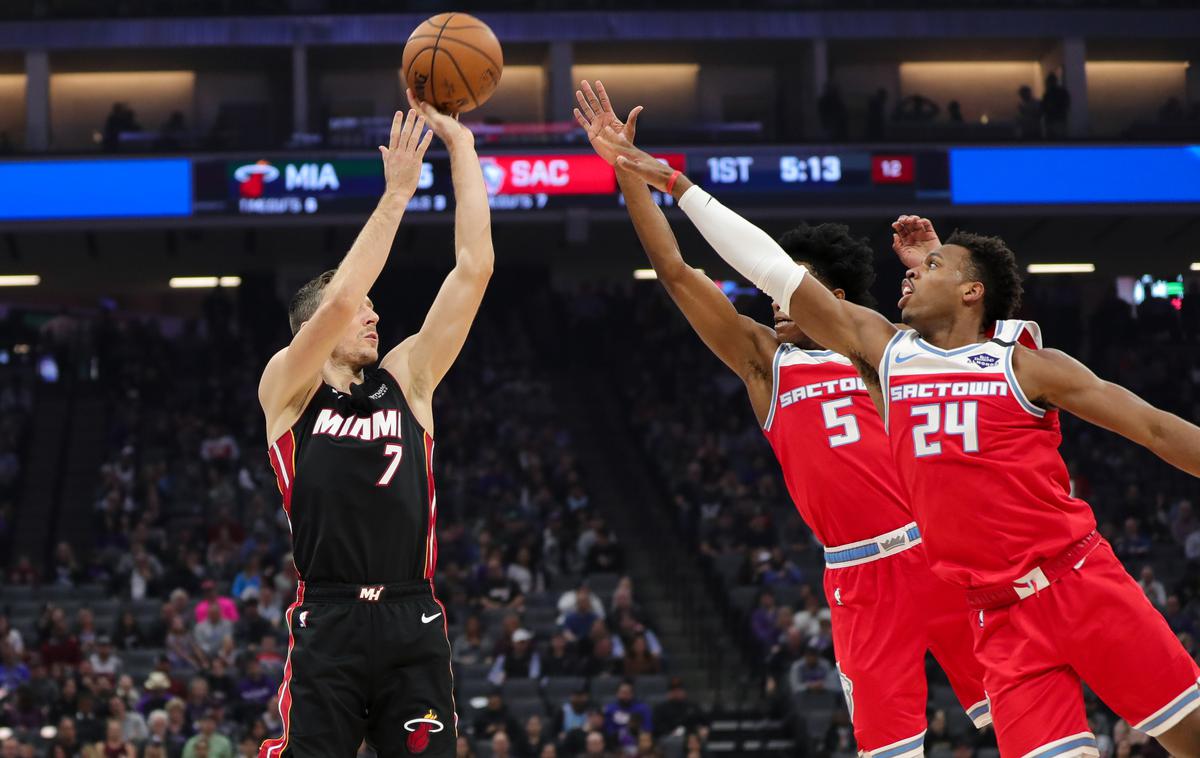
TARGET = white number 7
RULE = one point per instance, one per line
(397, 452)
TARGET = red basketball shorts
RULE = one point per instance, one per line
(888, 610)
(1094, 625)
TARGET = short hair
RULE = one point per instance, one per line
(995, 265)
(838, 259)
(305, 302)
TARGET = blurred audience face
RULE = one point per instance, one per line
(462, 748)
(500, 745)
(595, 744)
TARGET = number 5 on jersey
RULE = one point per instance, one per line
(847, 423)
(395, 452)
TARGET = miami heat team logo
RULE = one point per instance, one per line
(420, 729)
(253, 176)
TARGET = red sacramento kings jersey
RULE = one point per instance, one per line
(834, 451)
(356, 474)
(989, 489)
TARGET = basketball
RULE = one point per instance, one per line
(453, 61)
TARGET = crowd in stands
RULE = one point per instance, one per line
(165, 635)
(695, 423)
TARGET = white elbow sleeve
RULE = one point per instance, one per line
(750, 250)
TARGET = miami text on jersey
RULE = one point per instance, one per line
(380, 424)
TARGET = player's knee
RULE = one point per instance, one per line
(1183, 739)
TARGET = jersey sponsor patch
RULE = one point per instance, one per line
(983, 360)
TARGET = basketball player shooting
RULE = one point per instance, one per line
(971, 401)
(887, 607)
(351, 443)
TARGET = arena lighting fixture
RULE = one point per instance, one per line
(1195, 266)
(649, 273)
(20, 280)
(1061, 268)
(204, 282)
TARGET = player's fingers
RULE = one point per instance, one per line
(397, 125)
(412, 98)
(424, 144)
(418, 131)
(591, 97)
(631, 122)
(895, 241)
(584, 106)
(582, 121)
(604, 101)
(406, 131)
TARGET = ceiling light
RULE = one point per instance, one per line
(1061, 268)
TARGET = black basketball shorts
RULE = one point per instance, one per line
(366, 661)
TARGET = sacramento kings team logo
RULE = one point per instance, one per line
(420, 729)
(493, 175)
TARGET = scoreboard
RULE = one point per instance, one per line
(292, 185)
(533, 181)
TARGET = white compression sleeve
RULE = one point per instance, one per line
(750, 250)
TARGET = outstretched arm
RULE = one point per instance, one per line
(744, 345)
(293, 372)
(838, 325)
(421, 361)
(1051, 377)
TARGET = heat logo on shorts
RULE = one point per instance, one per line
(420, 729)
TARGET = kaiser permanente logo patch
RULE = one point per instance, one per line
(983, 360)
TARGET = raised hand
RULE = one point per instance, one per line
(446, 127)
(610, 137)
(913, 238)
(404, 154)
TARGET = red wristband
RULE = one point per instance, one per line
(671, 182)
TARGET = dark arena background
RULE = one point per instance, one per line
(171, 173)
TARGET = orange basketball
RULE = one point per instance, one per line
(453, 61)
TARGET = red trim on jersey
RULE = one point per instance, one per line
(431, 534)
(275, 747)
(446, 629)
(282, 454)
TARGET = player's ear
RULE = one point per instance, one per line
(972, 293)
(839, 293)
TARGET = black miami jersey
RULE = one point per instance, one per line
(356, 475)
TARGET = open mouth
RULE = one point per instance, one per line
(906, 292)
(783, 321)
